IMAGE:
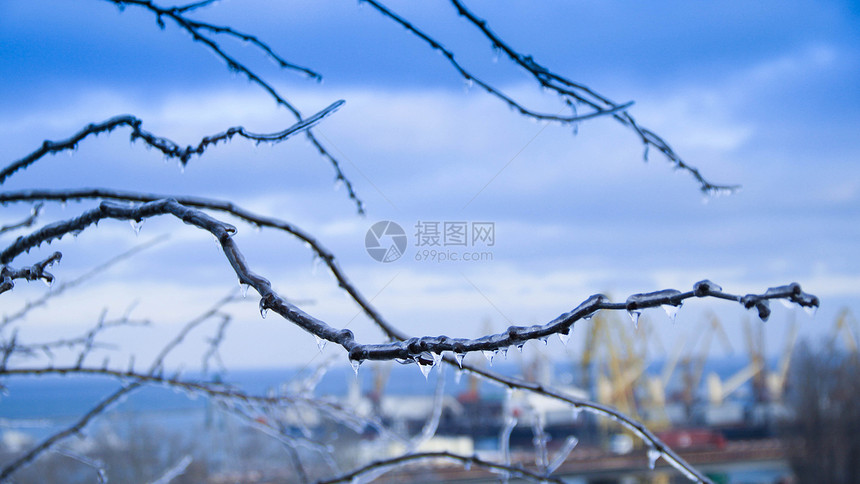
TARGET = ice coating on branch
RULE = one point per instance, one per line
(751, 301)
(703, 288)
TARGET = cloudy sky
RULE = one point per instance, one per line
(761, 94)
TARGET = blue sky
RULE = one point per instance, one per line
(762, 94)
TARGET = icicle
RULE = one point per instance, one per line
(355, 364)
(49, 281)
(424, 365)
(520, 347)
(653, 456)
(315, 264)
(811, 310)
(564, 337)
(338, 184)
(543, 340)
(437, 357)
(136, 225)
(562, 454)
(634, 316)
(497, 53)
(671, 310)
(785, 302)
(459, 357)
(320, 342)
(576, 412)
(263, 309)
(244, 288)
(488, 354)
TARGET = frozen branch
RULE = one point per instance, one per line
(450, 456)
(175, 471)
(27, 222)
(169, 148)
(65, 286)
(198, 31)
(33, 273)
(570, 92)
(405, 348)
(46, 444)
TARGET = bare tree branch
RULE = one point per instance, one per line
(196, 29)
(570, 92)
(451, 456)
(97, 410)
(65, 286)
(27, 222)
(169, 148)
(33, 273)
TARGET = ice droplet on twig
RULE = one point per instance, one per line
(489, 354)
(671, 310)
(497, 53)
(653, 456)
(424, 365)
(263, 309)
(437, 357)
(355, 364)
(320, 342)
(244, 288)
(811, 310)
(459, 357)
(136, 225)
(634, 316)
(564, 337)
